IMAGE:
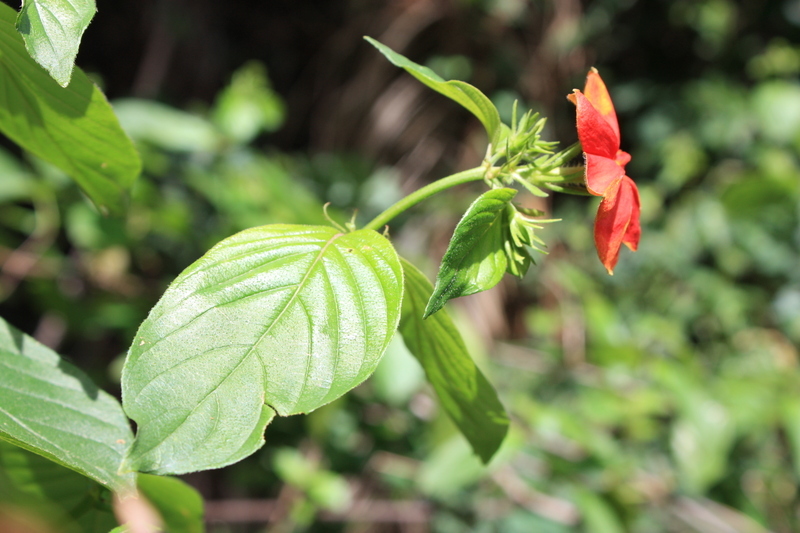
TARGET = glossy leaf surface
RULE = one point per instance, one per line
(51, 408)
(475, 259)
(52, 30)
(464, 392)
(73, 128)
(465, 94)
(276, 319)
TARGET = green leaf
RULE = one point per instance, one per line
(598, 515)
(463, 93)
(701, 440)
(180, 506)
(67, 501)
(276, 319)
(71, 502)
(248, 105)
(475, 259)
(166, 127)
(51, 408)
(73, 128)
(52, 30)
(465, 394)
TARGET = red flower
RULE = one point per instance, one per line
(617, 221)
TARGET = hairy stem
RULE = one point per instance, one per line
(473, 174)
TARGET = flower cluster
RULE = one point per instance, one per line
(617, 221)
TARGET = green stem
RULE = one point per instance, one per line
(473, 174)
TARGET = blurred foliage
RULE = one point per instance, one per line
(664, 398)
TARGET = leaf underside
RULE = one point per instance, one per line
(464, 392)
(463, 93)
(51, 408)
(475, 259)
(277, 319)
(52, 30)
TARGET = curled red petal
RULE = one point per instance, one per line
(597, 93)
(634, 231)
(617, 222)
(623, 158)
(596, 135)
(602, 174)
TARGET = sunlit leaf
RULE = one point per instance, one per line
(50, 407)
(73, 128)
(276, 319)
(464, 392)
(52, 30)
(475, 259)
(463, 93)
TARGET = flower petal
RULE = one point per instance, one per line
(596, 92)
(602, 174)
(634, 231)
(596, 135)
(617, 222)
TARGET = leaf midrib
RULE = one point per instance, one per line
(247, 354)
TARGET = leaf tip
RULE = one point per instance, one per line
(434, 305)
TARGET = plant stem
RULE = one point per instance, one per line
(473, 174)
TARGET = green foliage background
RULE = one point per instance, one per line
(664, 398)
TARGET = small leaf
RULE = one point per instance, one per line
(51, 408)
(701, 440)
(280, 318)
(475, 260)
(166, 127)
(52, 30)
(598, 515)
(248, 105)
(463, 93)
(180, 506)
(464, 392)
(75, 128)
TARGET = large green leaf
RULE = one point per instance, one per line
(50, 407)
(463, 93)
(280, 318)
(475, 259)
(52, 30)
(73, 128)
(464, 392)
